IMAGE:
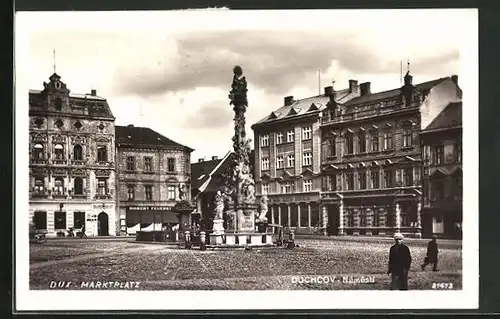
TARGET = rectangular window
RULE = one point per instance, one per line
(60, 220)
(265, 163)
(388, 140)
(306, 133)
(148, 191)
(333, 146)
(279, 138)
(362, 180)
(388, 178)
(374, 140)
(59, 151)
(290, 135)
(148, 164)
(102, 154)
(361, 142)
(40, 220)
(349, 143)
(374, 174)
(307, 159)
(102, 186)
(407, 138)
(131, 192)
(439, 155)
(291, 160)
(307, 185)
(171, 165)
(130, 163)
(38, 151)
(350, 181)
(264, 140)
(171, 195)
(408, 176)
(265, 188)
(438, 189)
(78, 220)
(287, 187)
(280, 162)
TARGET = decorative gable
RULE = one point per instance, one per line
(272, 116)
(293, 111)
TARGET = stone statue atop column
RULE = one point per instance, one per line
(219, 206)
(239, 87)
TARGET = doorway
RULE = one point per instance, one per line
(102, 224)
(333, 220)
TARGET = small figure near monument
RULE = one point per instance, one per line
(219, 206)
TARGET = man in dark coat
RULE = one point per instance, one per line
(399, 264)
(432, 255)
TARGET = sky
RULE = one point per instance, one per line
(172, 70)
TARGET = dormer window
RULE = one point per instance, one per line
(58, 102)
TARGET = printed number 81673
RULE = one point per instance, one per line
(442, 285)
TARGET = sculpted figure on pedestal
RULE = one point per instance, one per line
(239, 86)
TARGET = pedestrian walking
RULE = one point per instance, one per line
(83, 232)
(432, 254)
(399, 263)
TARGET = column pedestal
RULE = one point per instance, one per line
(324, 218)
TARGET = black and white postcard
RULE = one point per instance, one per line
(225, 159)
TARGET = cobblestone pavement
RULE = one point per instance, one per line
(157, 267)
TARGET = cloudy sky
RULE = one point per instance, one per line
(172, 71)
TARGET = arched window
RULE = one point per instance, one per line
(59, 186)
(78, 186)
(58, 104)
(38, 151)
(78, 153)
(59, 151)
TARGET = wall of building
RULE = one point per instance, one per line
(438, 98)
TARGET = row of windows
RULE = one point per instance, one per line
(289, 138)
(290, 161)
(436, 154)
(148, 192)
(40, 220)
(78, 188)
(59, 154)
(148, 164)
(329, 183)
(378, 220)
(369, 143)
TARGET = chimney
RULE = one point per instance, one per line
(328, 90)
(353, 86)
(130, 125)
(93, 92)
(454, 78)
(365, 88)
(288, 100)
(214, 158)
(201, 160)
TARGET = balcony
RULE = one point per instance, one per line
(39, 161)
(103, 193)
(59, 161)
(78, 162)
(59, 193)
(37, 193)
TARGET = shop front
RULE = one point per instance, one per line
(150, 219)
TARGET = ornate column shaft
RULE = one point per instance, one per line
(289, 212)
(279, 215)
(272, 214)
(382, 221)
(309, 214)
(419, 218)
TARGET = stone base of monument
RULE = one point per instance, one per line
(241, 240)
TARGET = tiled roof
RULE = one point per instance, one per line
(303, 106)
(76, 95)
(391, 93)
(132, 135)
(200, 172)
(451, 116)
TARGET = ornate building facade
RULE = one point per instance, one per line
(442, 175)
(287, 146)
(371, 159)
(72, 161)
(153, 175)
